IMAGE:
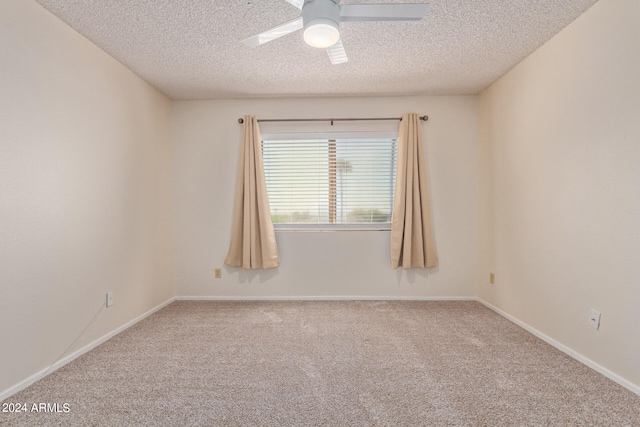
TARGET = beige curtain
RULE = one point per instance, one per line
(253, 241)
(412, 243)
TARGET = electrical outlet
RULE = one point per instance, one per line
(217, 273)
(594, 319)
(492, 278)
(109, 302)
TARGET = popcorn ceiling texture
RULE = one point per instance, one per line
(190, 49)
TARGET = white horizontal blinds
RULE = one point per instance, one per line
(365, 174)
(296, 173)
(322, 181)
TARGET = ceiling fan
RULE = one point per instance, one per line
(321, 22)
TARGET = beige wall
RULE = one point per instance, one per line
(559, 188)
(85, 202)
(206, 138)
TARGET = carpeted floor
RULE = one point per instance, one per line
(333, 363)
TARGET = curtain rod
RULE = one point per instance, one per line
(423, 118)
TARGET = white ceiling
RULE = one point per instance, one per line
(190, 49)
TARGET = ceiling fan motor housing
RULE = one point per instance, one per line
(320, 12)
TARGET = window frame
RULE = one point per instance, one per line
(296, 227)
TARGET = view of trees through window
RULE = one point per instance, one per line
(330, 181)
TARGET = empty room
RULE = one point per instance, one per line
(320, 212)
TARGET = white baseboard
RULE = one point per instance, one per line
(321, 298)
(579, 357)
(60, 363)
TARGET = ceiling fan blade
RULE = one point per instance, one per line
(337, 54)
(296, 3)
(274, 33)
(383, 12)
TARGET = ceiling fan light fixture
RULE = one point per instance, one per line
(321, 20)
(321, 33)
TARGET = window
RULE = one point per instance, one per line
(330, 181)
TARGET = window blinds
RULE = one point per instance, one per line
(330, 181)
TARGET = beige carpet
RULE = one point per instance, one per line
(333, 363)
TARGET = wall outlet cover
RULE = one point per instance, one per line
(109, 302)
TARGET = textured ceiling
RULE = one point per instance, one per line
(190, 49)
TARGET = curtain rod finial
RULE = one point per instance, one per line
(424, 118)
(241, 121)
